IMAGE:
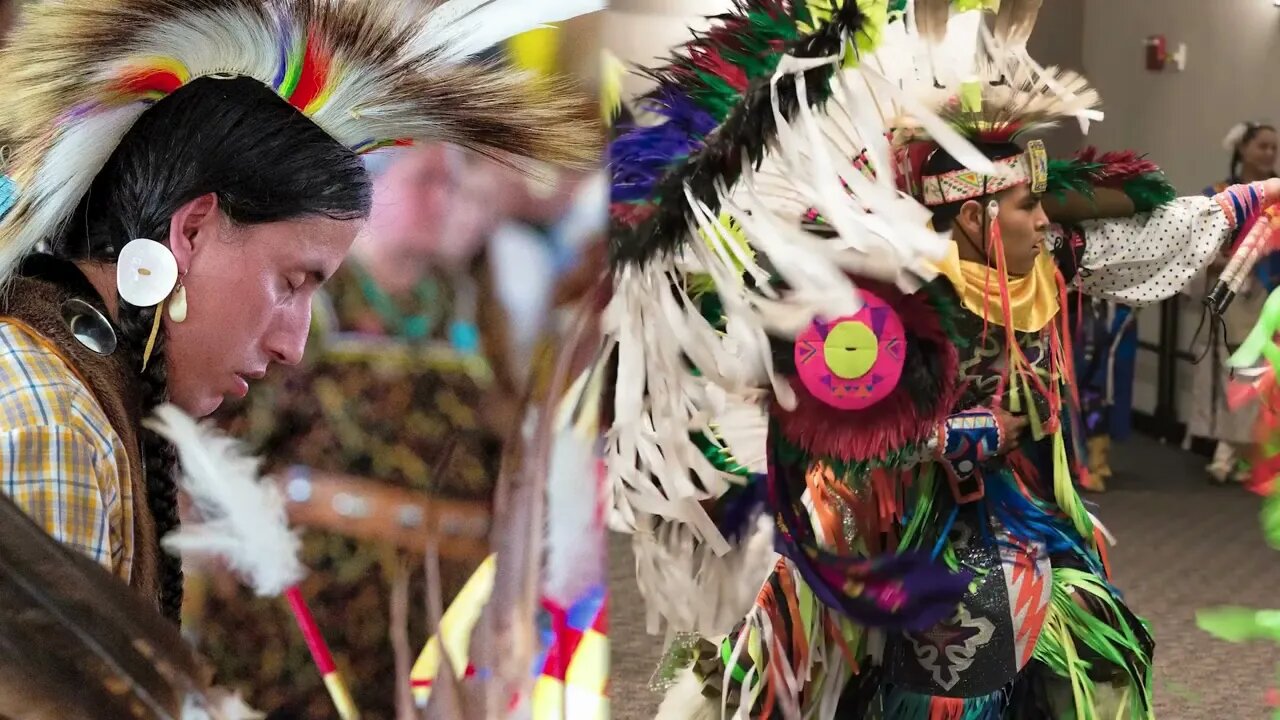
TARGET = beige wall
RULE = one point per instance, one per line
(641, 32)
(1057, 41)
(1179, 119)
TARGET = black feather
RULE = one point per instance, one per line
(747, 132)
(75, 642)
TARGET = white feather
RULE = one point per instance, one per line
(70, 166)
(575, 561)
(458, 29)
(219, 705)
(1231, 142)
(243, 520)
(685, 701)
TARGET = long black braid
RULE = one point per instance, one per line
(158, 454)
(264, 160)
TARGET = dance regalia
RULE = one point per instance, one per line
(1257, 364)
(369, 74)
(793, 342)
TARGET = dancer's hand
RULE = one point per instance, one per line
(1272, 188)
(1011, 429)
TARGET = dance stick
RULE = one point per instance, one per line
(243, 525)
(1245, 256)
(333, 681)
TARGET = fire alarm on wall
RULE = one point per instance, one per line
(1158, 55)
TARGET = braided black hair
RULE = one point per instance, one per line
(264, 160)
(1237, 155)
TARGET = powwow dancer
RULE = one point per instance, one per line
(789, 334)
(194, 171)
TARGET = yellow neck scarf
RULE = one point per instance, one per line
(1033, 298)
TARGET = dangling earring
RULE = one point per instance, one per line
(178, 303)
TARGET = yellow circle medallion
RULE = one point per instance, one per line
(850, 350)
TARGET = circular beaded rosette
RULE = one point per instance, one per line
(855, 361)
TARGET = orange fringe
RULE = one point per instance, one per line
(945, 708)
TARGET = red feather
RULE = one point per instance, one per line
(709, 60)
(316, 64)
(631, 214)
(1118, 167)
(147, 82)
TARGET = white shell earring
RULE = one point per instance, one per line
(178, 303)
(146, 273)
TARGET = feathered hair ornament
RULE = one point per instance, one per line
(999, 106)
(77, 74)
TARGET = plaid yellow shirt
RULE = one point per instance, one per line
(60, 460)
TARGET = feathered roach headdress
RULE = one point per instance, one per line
(782, 111)
(994, 109)
(77, 74)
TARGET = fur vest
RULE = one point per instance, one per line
(35, 298)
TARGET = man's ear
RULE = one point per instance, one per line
(970, 218)
(194, 225)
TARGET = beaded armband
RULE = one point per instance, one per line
(1241, 202)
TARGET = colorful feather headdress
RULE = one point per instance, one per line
(781, 111)
(77, 74)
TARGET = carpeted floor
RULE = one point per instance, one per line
(1183, 545)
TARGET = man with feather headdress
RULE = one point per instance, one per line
(193, 171)
(911, 442)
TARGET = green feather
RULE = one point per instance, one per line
(1237, 624)
(1069, 629)
(1150, 191)
(1071, 175)
(715, 95)
(721, 457)
(1271, 517)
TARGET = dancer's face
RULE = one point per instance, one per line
(249, 291)
(1022, 228)
(1259, 154)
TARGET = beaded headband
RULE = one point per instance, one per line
(1030, 167)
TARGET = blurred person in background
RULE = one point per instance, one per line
(1104, 345)
(542, 240)
(400, 375)
(552, 238)
(1253, 158)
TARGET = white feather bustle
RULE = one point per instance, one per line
(656, 327)
(689, 588)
